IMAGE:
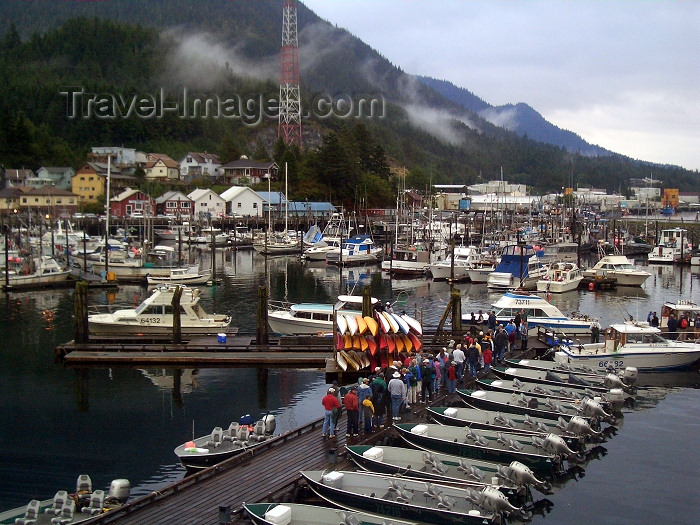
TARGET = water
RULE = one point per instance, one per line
(56, 423)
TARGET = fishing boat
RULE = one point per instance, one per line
(620, 268)
(678, 308)
(321, 242)
(409, 499)
(408, 261)
(154, 316)
(240, 437)
(188, 275)
(673, 247)
(596, 382)
(455, 266)
(610, 399)
(67, 508)
(539, 313)
(313, 318)
(480, 270)
(511, 479)
(627, 376)
(533, 406)
(359, 249)
(157, 263)
(300, 514)
(573, 429)
(633, 343)
(560, 277)
(542, 455)
(277, 243)
(519, 268)
(33, 272)
(560, 251)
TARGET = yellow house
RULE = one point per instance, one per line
(89, 182)
(160, 166)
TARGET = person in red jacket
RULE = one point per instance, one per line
(352, 405)
(329, 402)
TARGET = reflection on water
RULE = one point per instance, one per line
(124, 422)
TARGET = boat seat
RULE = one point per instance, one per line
(439, 467)
(350, 520)
(66, 513)
(217, 437)
(31, 513)
(471, 471)
(232, 433)
(58, 500)
(83, 484)
(504, 421)
(431, 491)
(97, 500)
(404, 496)
(243, 436)
(446, 502)
(522, 400)
(259, 432)
(396, 486)
(514, 445)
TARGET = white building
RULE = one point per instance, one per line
(196, 164)
(207, 204)
(241, 200)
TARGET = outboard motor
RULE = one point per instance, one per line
(592, 408)
(493, 500)
(119, 490)
(270, 423)
(613, 381)
(521, 474)
(616, 398)
(630, 374)
(556, 445)
(578, 426)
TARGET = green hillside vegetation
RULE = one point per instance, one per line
(344, 160)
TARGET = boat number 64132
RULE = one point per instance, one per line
(149, 320)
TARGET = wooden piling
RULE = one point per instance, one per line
(177, 323)
(80, 313)
(262, 336)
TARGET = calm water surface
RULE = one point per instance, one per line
(56, 423)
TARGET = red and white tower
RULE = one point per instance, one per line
(290, 98)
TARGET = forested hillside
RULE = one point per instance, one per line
(222, 48)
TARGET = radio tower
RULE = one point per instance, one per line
(290, 99)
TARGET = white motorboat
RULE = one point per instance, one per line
(188, 275)
(620, 268)
(407, 260)
(154, 316)
(463, 256)
(631, 344)
(359, 249)
(311, 318)
(673, 247)
(560, 277)
(67, 508)
(519, 268)
(277, 244)
(33, 272)
(678, 308)
(158, 262)
(539, 312)
(480, 270)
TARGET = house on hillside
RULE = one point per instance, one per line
(132, 201)
(61, 177)
(47, 200)
(241, 200)
(194, 165)
(10, 199)
(17, 177)
(90, 181)
(207, 203)
(175, 204)
(126, 159)
(161, 167)
(246, 172)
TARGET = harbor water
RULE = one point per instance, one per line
(57, 423)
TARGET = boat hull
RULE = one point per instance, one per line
(643, 361)
(512, 407)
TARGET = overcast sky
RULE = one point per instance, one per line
(623, 74)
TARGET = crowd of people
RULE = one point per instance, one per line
(417, 377)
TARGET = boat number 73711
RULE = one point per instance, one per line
(522, 302)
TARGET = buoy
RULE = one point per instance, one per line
(591, 286)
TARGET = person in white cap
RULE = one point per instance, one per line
(397, 390)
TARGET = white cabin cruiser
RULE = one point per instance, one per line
(632, 344)
(560, 277)
(539, 312)
(312, 318)
(463, 256)
(33, 272)
(619, 268)
(154, 316)
(519, 268)
(673, 247)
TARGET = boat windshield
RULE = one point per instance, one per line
(625, 266)
(645, 339)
